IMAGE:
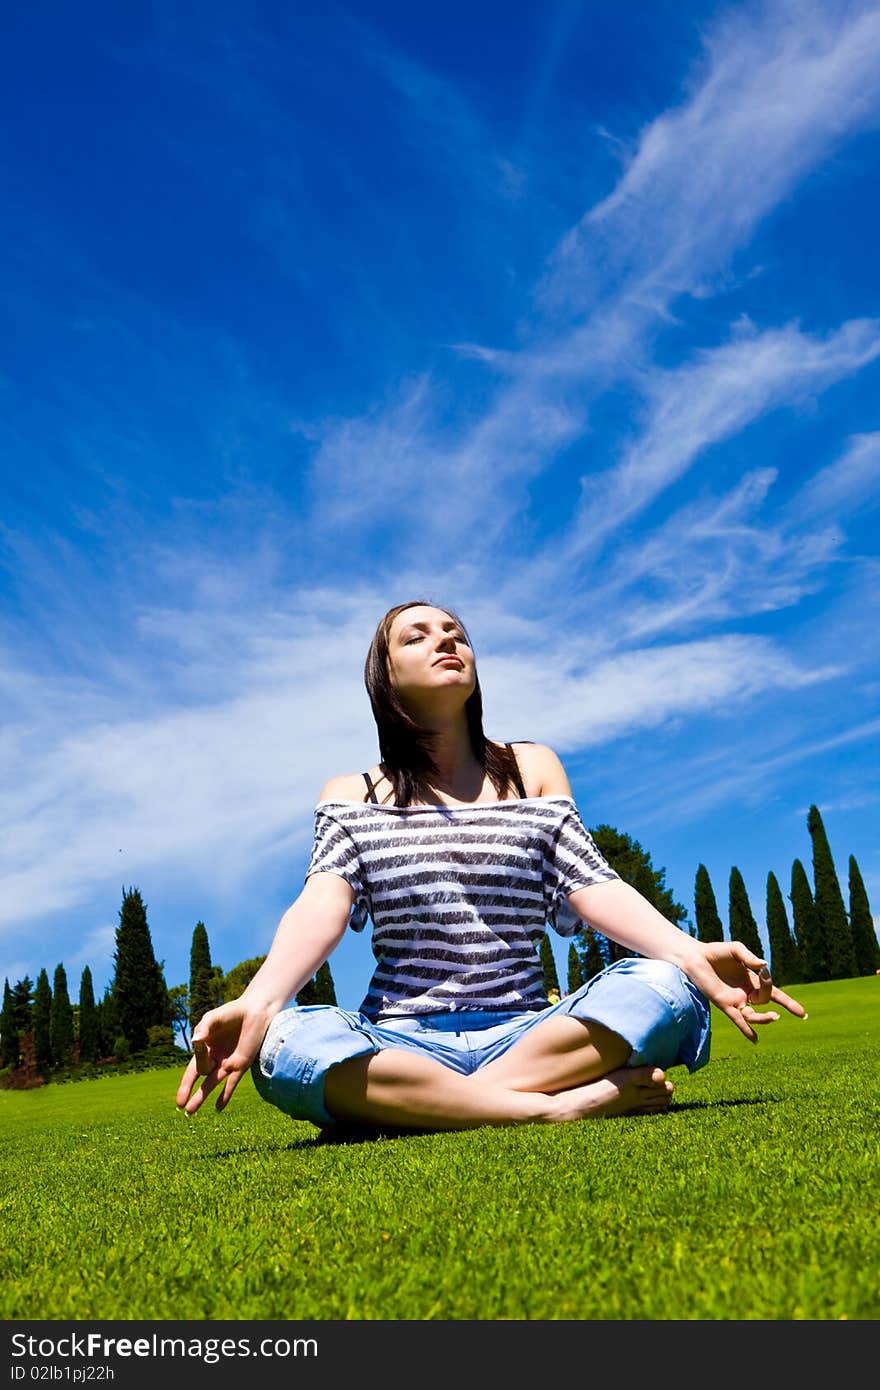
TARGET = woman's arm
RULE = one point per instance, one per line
(727, 972)
(227, 1039)
(306, 936)
(619, 911)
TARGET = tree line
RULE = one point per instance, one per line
(45, 1036)
(822, 940)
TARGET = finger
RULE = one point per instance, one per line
(198, 1098)
(186, 1084)
(762, 989)
(736, 1017)
(779, 996)
(194, 1103)
(748, 958)
(232, 1081)
(757, 966)
(754, 1017)
(202, 1055)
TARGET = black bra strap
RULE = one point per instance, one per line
(373, 796)
(517, 776)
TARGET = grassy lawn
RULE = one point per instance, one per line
(755, 1197)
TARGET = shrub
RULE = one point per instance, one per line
(160, 1036)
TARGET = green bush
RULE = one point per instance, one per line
(159, 1036)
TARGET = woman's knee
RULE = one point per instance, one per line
(300, 1047)
(652, 1005)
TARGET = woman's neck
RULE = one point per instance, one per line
(459, 773)
(451, 749)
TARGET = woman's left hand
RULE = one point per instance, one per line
(735, 979)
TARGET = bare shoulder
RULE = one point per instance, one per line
(349, 786)
(542, 770)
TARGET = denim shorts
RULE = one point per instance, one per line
(652, 1005)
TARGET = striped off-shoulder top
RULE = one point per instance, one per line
(459, 896)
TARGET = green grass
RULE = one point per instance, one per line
(754, 1197)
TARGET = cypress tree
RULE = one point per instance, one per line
(161, 997)
(548, 965)
(832, 921)
(108, 1022)
(861, 921)
(325, 990)
(813, 963)
(88, 1018)
(137, 980)
(575, 974)
(741, 921)
(61, 1026)
(709, 925)
(9, 1053)
(22, 996)
(318, 990)
(591, 954)
(202, 977)
(784, 955)
(306, 995)
(42, 1019)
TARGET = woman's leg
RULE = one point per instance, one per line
(562, 1053)
(329, 1065)
(405, 1091)
(637, 1011)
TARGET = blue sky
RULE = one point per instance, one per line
(566, 316)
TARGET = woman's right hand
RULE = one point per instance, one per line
(225, 1042)
(227, 1039)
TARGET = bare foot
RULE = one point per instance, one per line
(627, 1091)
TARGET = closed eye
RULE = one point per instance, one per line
(417, 637)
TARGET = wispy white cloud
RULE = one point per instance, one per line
(850, 482)
(713, 560)
(96, 945)
(636, 689)
(445, 129)
(856, 802)
(778, 87)
(205, 788)
(708, 400)
(17, 969)
(776, 91)
(401, 470)
(383, 460)
(397, 462)
(725, 776)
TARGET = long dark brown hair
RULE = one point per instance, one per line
(404, 746)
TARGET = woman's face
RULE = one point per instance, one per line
(428, 654)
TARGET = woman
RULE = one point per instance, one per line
(462, 850)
